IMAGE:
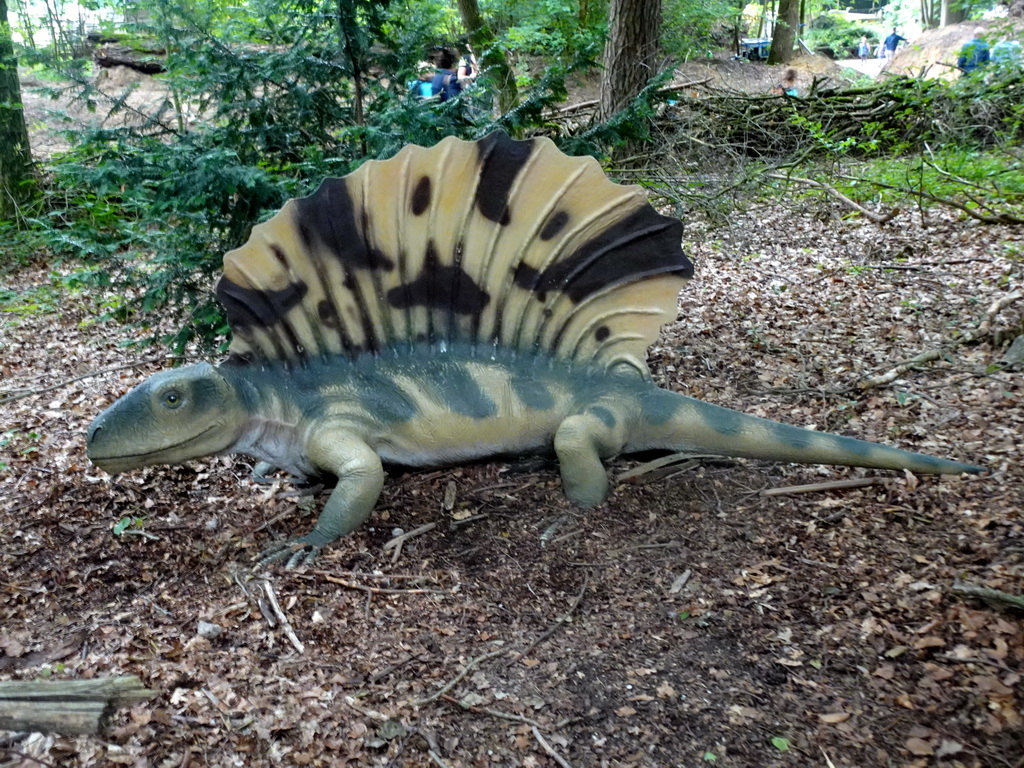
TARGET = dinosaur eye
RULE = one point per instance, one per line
(172, 398)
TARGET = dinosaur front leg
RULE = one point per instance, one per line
(360, 480)
(581, 442)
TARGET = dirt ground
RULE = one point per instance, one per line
(689, 620)
(694, 619)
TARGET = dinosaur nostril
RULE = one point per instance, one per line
(93, 431)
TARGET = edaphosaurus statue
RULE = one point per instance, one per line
(475, 299)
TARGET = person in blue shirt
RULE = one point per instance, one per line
(864, 49)
(892, 42)
(974, 54)
(446, 80)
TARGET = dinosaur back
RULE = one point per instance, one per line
(501, 242)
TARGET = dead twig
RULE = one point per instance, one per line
(286, 626)
(383, 590)
(440, 692)
(877, 218)
(983, 328)
(559, 621)
(397, 542)
(547, 748)
(64, 382)
(993, 597)
(493, 712)
(857, 482)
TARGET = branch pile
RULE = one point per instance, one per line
(894, 113)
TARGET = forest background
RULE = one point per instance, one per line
(265, 98)
(859, 266)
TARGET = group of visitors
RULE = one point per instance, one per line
(446, 74)
(973, 55)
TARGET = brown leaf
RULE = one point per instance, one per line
(625, 711)
(831, 718)
(919, 747)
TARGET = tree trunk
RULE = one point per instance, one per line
(15, 156)
(630, 55)
(951, 13)
(494, 65)
(348, 34)
(785, 32)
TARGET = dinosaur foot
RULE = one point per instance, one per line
(299, 551)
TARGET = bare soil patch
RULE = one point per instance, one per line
(687, 620)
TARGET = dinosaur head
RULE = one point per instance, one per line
(172, 417)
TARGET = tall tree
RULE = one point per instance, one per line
(784, 37)
(15, 156)
(631, 53)
(492, 58)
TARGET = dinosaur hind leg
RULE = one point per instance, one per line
(581, 442)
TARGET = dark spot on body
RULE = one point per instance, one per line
(384, 399)
(554, 225)
(643, 245)
(457, 389)
(279, 255)
(660, 406)
(726, 422)
(326, 221)
(440, 286)
(602, 333)
(247, 307)
(603, 414)
(525, 276)
(532, 393)
(328, 314)
(501, 160)
(421, 196)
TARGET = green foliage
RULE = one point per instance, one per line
(691, 29)
(834, 33)
(982, 181)
(263, 100)
(551, 29)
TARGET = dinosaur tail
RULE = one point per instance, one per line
(675, 422)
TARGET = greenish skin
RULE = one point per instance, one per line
(428, 408)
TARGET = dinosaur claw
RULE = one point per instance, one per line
(298, 551)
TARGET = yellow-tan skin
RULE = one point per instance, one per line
(345, 422)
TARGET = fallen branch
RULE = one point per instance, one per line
(977, 333)
(286, 626)
(877, 218)
(997, 217)
(64, 382)
(547, 748)
(857, 482)
(994, 597)
(383, 590)
(70, 707)
(440, 692)
(559, 621)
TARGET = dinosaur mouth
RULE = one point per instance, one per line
(115, 463)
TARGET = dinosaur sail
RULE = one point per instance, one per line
(502, 242)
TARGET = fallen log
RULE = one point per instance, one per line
(68, 707)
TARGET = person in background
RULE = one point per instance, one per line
(422, 86)
(446, 80)
(864, 49)
(1006, 53)
(974, 54)
(892, 42)
(468, 68)
(788, 84)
